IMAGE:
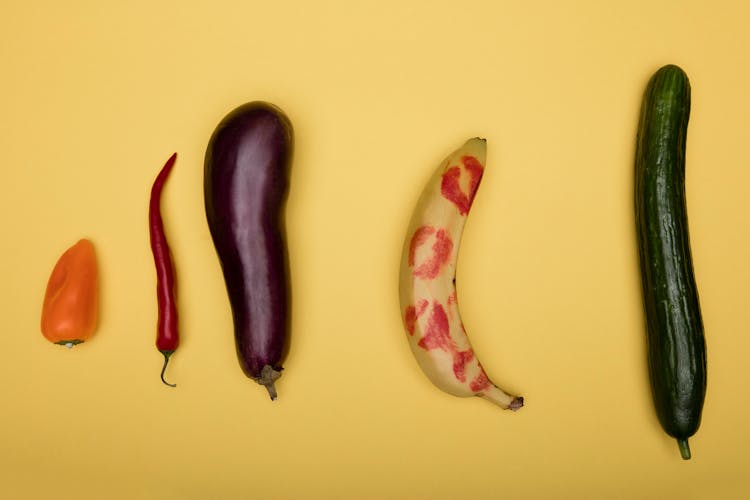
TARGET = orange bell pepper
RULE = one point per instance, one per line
(70, 309)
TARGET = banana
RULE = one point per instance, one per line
(427, 285)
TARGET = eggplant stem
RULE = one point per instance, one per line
(268, 375)
(271, 390)
(166, 354)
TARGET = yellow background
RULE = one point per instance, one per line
(95, 96)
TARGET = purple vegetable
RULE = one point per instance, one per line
(245, 187)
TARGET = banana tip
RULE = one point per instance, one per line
(516, 404)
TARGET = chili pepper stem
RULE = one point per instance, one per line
(166, 354)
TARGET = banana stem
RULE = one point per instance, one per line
(502, 398)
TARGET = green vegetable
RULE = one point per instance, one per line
(676, 346)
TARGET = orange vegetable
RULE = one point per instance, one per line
(70, 309)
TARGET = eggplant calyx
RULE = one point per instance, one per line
(269, 375)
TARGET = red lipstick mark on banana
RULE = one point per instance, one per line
(412, 314)
(428, 296)
(441, 250)
(450, 186)
(438, 336)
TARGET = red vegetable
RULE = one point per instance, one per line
(167, 335)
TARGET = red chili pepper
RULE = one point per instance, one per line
(167, 336)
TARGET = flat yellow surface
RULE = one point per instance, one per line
(95, 96)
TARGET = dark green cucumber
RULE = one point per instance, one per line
(676, 346)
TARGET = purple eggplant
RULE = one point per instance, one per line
(246, 179)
